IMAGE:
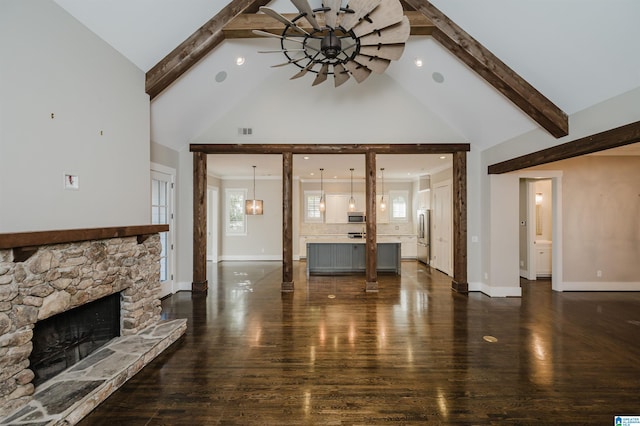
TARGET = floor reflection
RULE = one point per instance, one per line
(329, 353)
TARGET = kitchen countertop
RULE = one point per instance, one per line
(347, 240)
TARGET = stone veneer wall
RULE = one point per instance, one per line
(61, 277)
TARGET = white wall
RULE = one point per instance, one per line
(51, 64)
(263, 240)
(498, 247)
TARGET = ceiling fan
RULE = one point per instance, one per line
(356, 40)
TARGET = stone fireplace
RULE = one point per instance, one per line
(39, 281)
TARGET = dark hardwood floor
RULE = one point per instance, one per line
(414, 353)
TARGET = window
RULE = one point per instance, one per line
(399, 206)
(235, 219)
(312, 211)
(161, 195)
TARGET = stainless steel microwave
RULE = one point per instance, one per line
(356, 217)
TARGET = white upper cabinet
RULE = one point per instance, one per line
(337, 206)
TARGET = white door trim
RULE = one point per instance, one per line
(168, 287)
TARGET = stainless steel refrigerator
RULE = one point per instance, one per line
(424, 236)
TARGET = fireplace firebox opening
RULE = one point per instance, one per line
(66, 338)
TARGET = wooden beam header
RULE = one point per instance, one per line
(242, 25)
(620, 136)
(436, 148)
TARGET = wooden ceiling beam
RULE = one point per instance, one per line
(194, 48)
(243, 25)
(427, 148)
(614, 138)
(494, 71)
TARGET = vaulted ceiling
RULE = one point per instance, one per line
(492, 69)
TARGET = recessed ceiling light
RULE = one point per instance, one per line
(442, 157)
(240, 60)
(418, 62)
(305, 157)
(437, 77)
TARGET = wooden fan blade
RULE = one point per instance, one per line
(340, 75)
(267, 34)
(393, 52)
(385, 15)
(322, 75)
(376, 65)
(361, 9)
(293, 61)
(303, 71)
(304, 7)
(282, 51)
(331, 16)
(398, 33)
(359, 72)
(277, 16)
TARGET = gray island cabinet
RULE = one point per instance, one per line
(333, 258)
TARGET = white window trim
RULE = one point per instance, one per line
(227, 231)
(404, 194)
(308, 219)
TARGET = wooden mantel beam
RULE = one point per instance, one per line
(493, 70)
(194, 48)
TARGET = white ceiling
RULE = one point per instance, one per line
(576, 52)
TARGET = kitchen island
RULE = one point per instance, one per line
(348, 257)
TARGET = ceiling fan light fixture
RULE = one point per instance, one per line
(357, 40)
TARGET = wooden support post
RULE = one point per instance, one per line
(459, 282)
(287, 222)
(371, 251)
(199, 222)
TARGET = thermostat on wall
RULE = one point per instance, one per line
(71, 182)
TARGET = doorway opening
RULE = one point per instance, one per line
(536, 228)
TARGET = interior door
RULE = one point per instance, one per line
(442, 221)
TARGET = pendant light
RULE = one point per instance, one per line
(352, 201)
(383, 204)
(253, 207)
(322, 201)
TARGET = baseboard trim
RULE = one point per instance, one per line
(182, 286)
(600, 286)
(475, 286)
(496, 291)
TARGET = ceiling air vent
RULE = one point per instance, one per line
(245, 131)
(424, 184)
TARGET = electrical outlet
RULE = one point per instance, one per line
(599, 273)
(522, 263)
(486, 276)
